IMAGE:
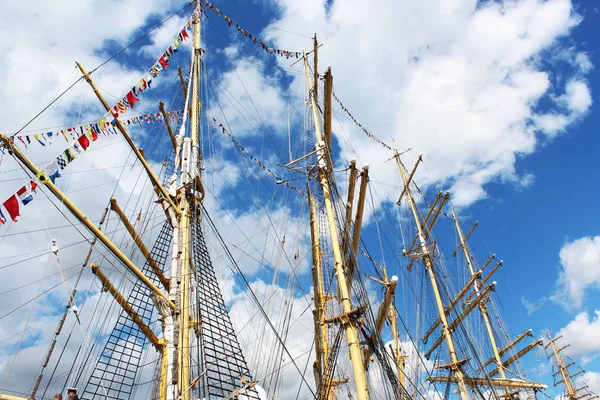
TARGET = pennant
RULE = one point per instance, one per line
(37, 137)
(61, 162)
(12, 206)
(69, 156)
(24, 195)
(2, 218)
(52, 172)
(131, 99)
(77, 148)
(184, 35)
(93, 135)
(102, 123)
(163, 62)
(83, 141)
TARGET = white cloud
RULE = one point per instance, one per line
(532, 307)
(578, 97)
(584, 62)
(459, 82)
(582, 334)
(580, 269)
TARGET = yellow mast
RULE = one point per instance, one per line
(446, 333)
(320, 365)
(346, 319)
(482, 304)
(571, 392)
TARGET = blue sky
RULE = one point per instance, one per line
(531, 186)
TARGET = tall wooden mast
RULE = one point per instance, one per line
(455, 365)
(572, 392)
(347, 319)
(482, 305)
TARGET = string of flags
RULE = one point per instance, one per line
(87, 134)
(106, 125)
(254, 39)
(12, 204)
(369, 134)
(44, 138)
(261, 164)
(163, 62)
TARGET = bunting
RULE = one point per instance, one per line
(369, 134)
(260, 164)
(74, 132)
(270, 50)
(132, 97)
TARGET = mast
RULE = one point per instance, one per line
(482, 306)
(572, 392)
(427, 259)
(347, 317)
(178, 359)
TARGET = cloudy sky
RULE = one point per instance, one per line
(498, 97)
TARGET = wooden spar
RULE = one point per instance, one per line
(511, 383)
(182, 79)
(451, 306)
(428, 261)
(507, 348)
(438, 197)
(452, 327)
(327, 106)
(168, 124)
(315, 89)
(476, 286)
(188, 211)
(140, 244)
(465, 238)
(9, 397)
(320, 365)
(487, 278)
(360, 207)
(384, 307)
(348, 323)
(425, 232)
(485, 264)
(158, 187)
(409, 178)
(349, 205)
(107, 284)
(571, 390)
(84, 220)
(520, 354)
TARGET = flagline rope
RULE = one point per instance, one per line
(261, 164)
(366, 132)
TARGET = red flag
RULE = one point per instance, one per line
(83, 141)
(230, 22)
(162, 62)
(184, 34)
(32, 186)
(93, 134)
(131, 98)
(12, 206)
